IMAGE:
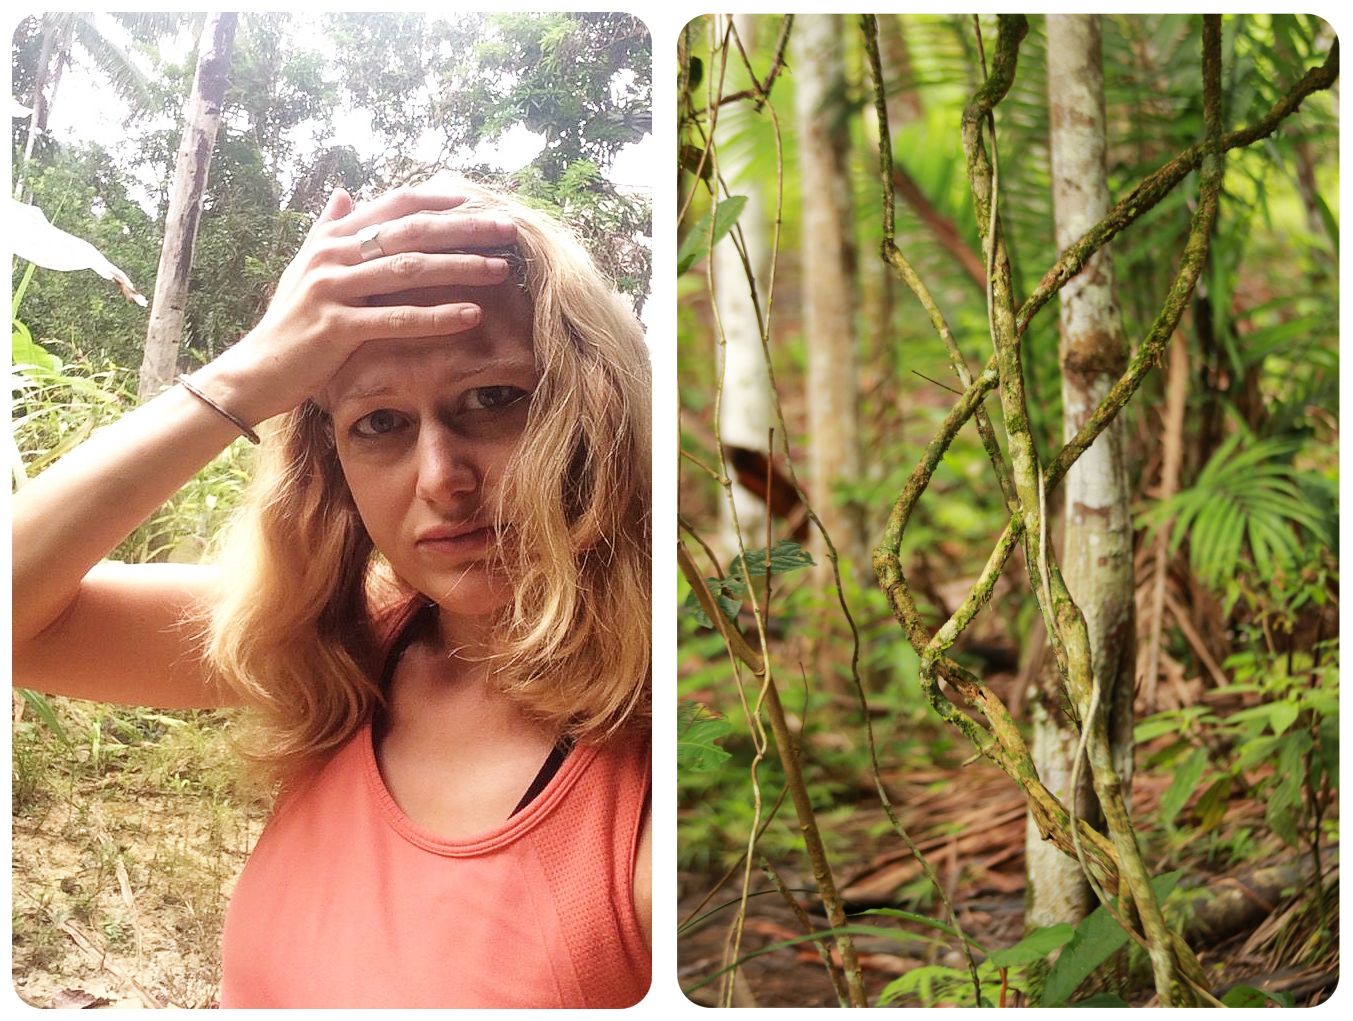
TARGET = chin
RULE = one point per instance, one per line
(474, 592)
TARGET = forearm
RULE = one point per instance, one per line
(76, 512)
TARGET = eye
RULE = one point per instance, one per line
(379, 423)
(485, 398)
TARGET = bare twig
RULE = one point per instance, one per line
(838, 980)
(760, 90)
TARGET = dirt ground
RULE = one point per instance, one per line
(121, 873)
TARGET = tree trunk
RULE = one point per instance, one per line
(745, 410)
(202, 116)
(829, 298)
(1097, 552)
(40, 102)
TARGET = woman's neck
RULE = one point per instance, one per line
(468, 638)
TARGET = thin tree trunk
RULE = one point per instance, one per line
(202, 117)
(829, 297)
(41, 104)
(1097, 553)
(745, 409)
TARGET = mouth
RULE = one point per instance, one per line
(457, 540)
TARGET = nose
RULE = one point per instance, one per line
(447, 472)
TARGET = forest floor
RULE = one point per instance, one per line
(126, 842)
(1260, 929)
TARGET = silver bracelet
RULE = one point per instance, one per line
(234, 420)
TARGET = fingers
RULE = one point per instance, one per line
(401, 202)
(423, 231)
(338, 206)
(413, 270)
(404, 322)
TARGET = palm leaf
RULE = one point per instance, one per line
(1248, 497)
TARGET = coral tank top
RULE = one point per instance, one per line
(345, 902)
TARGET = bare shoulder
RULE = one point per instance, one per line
(134, 635)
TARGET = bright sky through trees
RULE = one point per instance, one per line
(91, 112)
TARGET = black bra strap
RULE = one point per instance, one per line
(417, 620)
(556, 759)
(422, 617)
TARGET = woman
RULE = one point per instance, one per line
(436, 598)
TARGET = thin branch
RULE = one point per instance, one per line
(1155, 187)
(894, 257)
(806, 923)
(760, 91)
(769, 695)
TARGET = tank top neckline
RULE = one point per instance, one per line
(509, 831)
(406, 623)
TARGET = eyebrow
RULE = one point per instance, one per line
(385, 387)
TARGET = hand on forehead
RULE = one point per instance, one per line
(502, 340)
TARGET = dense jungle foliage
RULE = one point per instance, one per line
(1236, 782)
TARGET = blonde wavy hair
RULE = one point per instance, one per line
(302, 626)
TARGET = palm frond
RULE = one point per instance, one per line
(113, 62)
(1248, 497)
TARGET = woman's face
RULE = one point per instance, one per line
(424, 429)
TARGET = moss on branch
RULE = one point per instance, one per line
(1160, 183)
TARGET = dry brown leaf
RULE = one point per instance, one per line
(77, 999)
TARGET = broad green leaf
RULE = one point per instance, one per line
(1211, 806)
(1033, 947)
(1251, 753)
(26, 351)
(1154, 727)
(697, 731)
(1282, 715)
(698, 242)
(1184, 783)
(1285, 796)
(1097, 937)
(727, 593)
(1249, 996)
(785, 556)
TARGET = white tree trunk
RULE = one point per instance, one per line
(829, 298)
(44, 92)
(746, 410)
(201, 118)
(1097, 544)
